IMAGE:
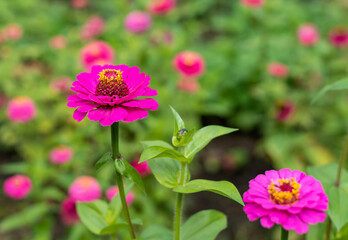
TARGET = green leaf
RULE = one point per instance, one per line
(113, 211)
(113, 228)
(158, 152)
(104, 159)
(178, 122)
(339, 85)
(29, 216)
(92, 215)
(156, 232)
(204, 225)
(223, 188)
(159, 143)
(184, 140)
(202, 137)
(125, 169)
(166, 171)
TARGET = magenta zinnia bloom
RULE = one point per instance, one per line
(338, 37)
(137, 21)
(109, 94)
(289, 198)
(21, 109)
(61, 154)
(277, 69)
(85, 189)
(96, 53)
(161, 7)
(18, 186)
(93, 27)
(142, 168)
(252, 3)
(68, 212)
(308, 34)
(189, 64)
(285, 110)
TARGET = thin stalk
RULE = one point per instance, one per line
(116, 156)
(338, 180)
(284, 234)
(179, 199)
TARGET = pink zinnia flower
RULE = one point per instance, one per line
(85, 189)
(108, 94)
(97, 52)
(285, 197)
(285, 110)
(17, 186)
(159, 7)
(61, 85)
(253, 3)
(21, 109)
(93, 27)
(12, 32)
(61, 154)
(79, 3)
(278, 70)
(58, 42)
(142, 168)
(338, 37)
(113, 191)
(68, 212)
(137, 21)
(307, 34)
(187, 84)
(189, 64)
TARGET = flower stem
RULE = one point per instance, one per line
(284, 234)
(338, 180)
(179, 199)
(116, 156)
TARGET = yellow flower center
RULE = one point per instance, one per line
(111, 83)
(284, 191)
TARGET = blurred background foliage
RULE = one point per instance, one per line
(236, 90)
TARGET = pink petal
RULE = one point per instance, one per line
(97, 114)
(312, 216)
(293, 222)
(78, 116)
(285, 173)
(272, 175)
(149, 92)
(135, 114)
(147, 103)
(106, 121)
(88, 107)
(118, 114)
(266, 222)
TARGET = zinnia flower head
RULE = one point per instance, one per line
(277, 69)
(252, 3)
(61, 154)
(68, 212)
(285, 110)
(18, 186)
(142, 168)
(12, 32)
(188, 84)
(21, 109)
(109, 94)
(338, 37)
(289, 198)
(79, 3)
(58, 42)
(85, 189)
(307, 34)
(93, 27)
(137, 21)
(97, 52)
(189, 64)
(161, 7)
(113, 191)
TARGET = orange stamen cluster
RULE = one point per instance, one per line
(284, 191)
(111, 83)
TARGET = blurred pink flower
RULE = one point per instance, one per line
(61, 85)
(68, 212)
(95, 53)
(109, 94)
(17, 187)
(277, 69)
(58, 42)
(289, 198)
(285, 110)
(188, 84)
(253, 3)
(308, 34)
(21, 109)
(85, 189)
(61, 154)
(159, 7)
(189, 64)
(165, 37)
(12, 32)
(79, 3)
(137, 21)
(338, 37)
(93, 27)
(113, 191)
(142, 168)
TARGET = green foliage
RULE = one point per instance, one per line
(161, 152)
(156, 232)
(103, 160)
(339, 85)
(125, 169)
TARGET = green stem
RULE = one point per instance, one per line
(179, 199)
(284, 234)
(338, 180)
(116, 156)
